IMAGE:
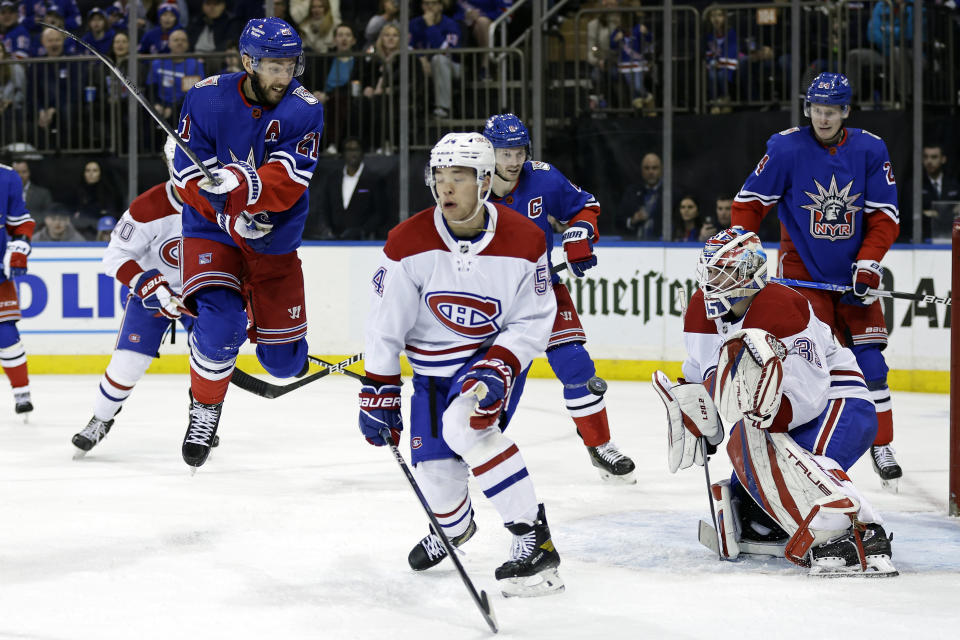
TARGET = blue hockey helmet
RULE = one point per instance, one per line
(829, 88)
(506, 131)
(271, 38)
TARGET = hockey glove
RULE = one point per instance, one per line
(234, 188)
(489, 381)
(750, 378)
(379, 409)
(155, 293)
(19, 250)
(578, 248)
(866, 275)
(691, 415)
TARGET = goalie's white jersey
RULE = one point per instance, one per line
(441, 299)
(817, 368)
(147, 237)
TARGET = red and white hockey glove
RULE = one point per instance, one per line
(490, 382)
(867, 275)
(155, 293)
(691, 415)
(19, 250)
(578, 248)
(379, 410)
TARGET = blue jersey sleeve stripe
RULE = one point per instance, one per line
(887, 208)
(297, 175)
(750, 196)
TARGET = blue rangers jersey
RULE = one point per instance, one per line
(541, 190)
(13, 212)
(282, 142)
(837, 204)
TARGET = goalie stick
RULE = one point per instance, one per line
(843, 288)
(270, 391)
(480, 599)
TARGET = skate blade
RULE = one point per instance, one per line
(79, 454)
(625, 479)
(891, 485)
(877, 567)
(545, 583)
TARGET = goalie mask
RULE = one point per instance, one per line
(463, 150)
(732, 267)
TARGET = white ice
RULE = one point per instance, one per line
(296, 528)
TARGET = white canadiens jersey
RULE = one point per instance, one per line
(147, 237)
(817, 368)
(442, 299)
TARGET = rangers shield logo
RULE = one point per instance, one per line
(832, 212)
(466, 315)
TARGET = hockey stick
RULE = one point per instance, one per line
(270, 391)
(713, 512)
(843, 288)
(135, 91)
(340, 367)
(480, 599)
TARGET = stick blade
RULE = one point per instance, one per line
(488, 613)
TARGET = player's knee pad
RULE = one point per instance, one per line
(873, 364)
(573, 367)
(443, 482)
(9, 335)
(127, 367)
(283, 360)
(221, 325)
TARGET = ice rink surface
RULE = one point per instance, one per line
(296, 528)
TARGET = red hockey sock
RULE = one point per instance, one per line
(884, 428)
(593, 428)
(208, 391)
(17, 375)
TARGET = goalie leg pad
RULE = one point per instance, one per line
(791, 487)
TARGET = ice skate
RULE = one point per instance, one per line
(614, 466)
(532, 568)
(201, 432)
(95, 431)
(841, 557)
(430, 551)
(886, 467)
(22, 403)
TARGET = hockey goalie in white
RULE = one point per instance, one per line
(799, 414)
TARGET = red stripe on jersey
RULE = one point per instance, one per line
(440, 352)
(589, 215)
(153, 204)
(381, 379)
(495, 460)
(127, 270)
(502, 353)
(845, 372)
(826, 429)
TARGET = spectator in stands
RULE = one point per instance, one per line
(939, 198)
(213, 28)
(635, 54)
(338, 90)
(171, 78)
(387, 13)
(115, 18)
(318, 27)
(57, 226)
(867, 65)
(722, 59)
(94, 198)
(433, 30)
(35, 196)
(231, 59)
(641, 210)
(721, 219)
(54, 17)
(98, 35)
(478, 15)
(282, 10)
(350, 205)
(686, 220)
(600, 56)
(105, 226)
(14, 37)
(155, 40)
(57, 87)
(300, 10)
(13, 84)
(383, 76)
(40, 10)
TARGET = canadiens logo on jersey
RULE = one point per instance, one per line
(832, 212)
(464, 314)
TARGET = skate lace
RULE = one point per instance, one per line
(523, 545)
(21, 398)
(610, 453)
(203, 421)
(884, 456)
(95, 430)
(433, 547)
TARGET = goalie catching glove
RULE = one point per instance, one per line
(155, 293)
(750, 377)
(691, 415)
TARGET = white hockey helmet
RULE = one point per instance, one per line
(732, 266)
(169, 148)
(463, 150)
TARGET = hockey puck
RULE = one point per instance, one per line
(597, 386)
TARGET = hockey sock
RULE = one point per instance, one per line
(593, 428)
(124, 371)
(14, 361)
(884, 426)
(502, 475)
(209, 378)
(444, 485)
(574, 368)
